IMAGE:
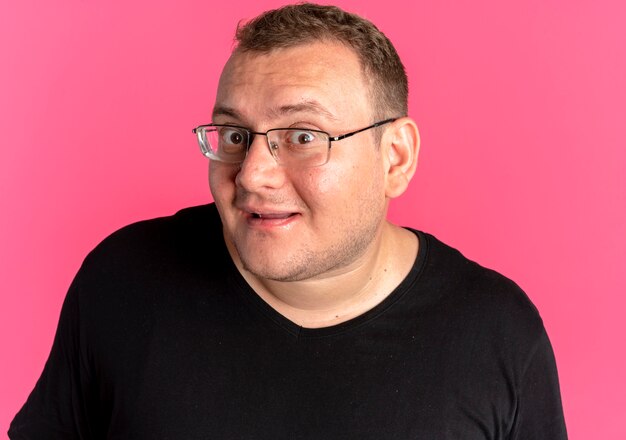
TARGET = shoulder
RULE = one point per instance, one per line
(489, 342)
(186, 221)
(147, 265)
(147, 251)
(187, 228)
(478, 297)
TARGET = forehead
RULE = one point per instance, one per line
(321, 77)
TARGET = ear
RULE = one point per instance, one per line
(400, 143)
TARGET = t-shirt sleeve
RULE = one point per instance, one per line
(539, 411)
(55, 408)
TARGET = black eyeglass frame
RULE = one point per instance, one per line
(251, 133)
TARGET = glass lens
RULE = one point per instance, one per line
(299, 147)
(224, 143)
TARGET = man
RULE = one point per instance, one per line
(291, 308)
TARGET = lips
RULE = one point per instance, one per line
(272, 216)
(269, 218)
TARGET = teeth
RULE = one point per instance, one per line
(269, 216)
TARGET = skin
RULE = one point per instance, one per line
(322, 251)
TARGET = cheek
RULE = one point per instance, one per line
(329, 184)
(221, 180)
(318, 188)
(341, 188)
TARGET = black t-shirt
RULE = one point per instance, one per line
(161, 338)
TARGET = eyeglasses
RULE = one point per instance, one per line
(291, 147)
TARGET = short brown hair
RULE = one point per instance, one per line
(304, 23)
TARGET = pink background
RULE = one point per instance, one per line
(522, 110)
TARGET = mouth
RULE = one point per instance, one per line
(267, 219)
(269, 216)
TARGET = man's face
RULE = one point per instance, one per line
(289, 223)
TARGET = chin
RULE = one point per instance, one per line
(275, 271)
(281, 266)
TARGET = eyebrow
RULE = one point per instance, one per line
(308, 106)
(221, 110)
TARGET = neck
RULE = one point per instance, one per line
(337, 297)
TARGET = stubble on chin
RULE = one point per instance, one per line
(305, 263)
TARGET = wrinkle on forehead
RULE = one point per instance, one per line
(298, 80)
(306, 106)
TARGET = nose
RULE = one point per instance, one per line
(259, 169)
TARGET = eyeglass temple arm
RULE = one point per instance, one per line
(347, 135)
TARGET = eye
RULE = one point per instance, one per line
(231, 136)
(300, 137)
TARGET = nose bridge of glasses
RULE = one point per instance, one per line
(254, 134)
